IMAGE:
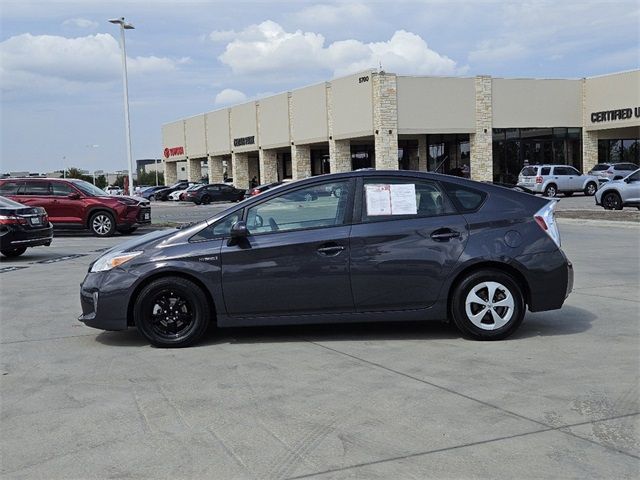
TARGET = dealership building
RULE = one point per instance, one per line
(482, 127)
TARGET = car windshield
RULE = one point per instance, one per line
(194, 187)
(89, 189)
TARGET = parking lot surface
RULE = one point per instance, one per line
(559, 399)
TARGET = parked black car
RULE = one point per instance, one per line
(214, 192)
(22, 227)
(393, 245)
(163, 193)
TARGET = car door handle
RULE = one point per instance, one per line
(331, 250)
(444, 235)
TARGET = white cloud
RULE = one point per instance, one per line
(268, 48)
(45, 60)
(80, 23)
(229, 96)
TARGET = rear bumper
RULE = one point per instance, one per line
(550, 279)
(19, 237)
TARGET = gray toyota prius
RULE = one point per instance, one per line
(360, 246)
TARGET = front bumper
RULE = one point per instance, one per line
(135, 216)
(18, 236)
(104, 298)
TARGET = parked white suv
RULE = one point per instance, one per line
(616, 194)
(553, 179)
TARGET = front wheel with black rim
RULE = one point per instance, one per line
(13, 252)
(206, 200)
(487, 305)
(102, 224)
(172, 312)
(551, 191)
(591, 189)
(612, 201)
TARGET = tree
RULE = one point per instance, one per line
(149, 178)
(74, 172)
(101, 181)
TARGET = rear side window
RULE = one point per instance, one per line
(35, 188)
(600, 167)
(545, 171)
(465, 199)
(529, 172)
(9, 188)
(625, 166)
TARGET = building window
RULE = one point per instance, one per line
(514, 148)
(449, 154)
(620, 150)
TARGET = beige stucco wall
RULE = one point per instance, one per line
(536, 103)
(612, 92)
(436, 105)
(243, 124)
(195, 137)
(309, 114)
(173, 136)
(274, 121)
(352, 106)
(218, 132)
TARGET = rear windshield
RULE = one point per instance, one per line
(600, 167)
(529, 172)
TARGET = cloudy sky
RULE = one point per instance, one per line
(61, 80)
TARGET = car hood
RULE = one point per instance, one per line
(143, 242)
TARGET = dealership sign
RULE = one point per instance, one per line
(172, 152)
(611, 115)
(238, 142)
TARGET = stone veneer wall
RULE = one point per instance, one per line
(422, 153)
(481, 141)
(216, 169)
(170, 172)
(268, 159)
(300, 161)
(589, 138)
(194, 169)
(385, 120)
(240, 169)
(339, 150)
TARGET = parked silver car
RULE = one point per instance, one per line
(616, 194)
(612, 171)
(553, 179)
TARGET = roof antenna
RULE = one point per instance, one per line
(380, 66)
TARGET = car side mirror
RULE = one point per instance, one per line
(239, 230)
(73, 196)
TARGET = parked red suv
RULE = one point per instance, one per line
(74, 203)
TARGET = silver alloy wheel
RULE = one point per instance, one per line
(551, 191)
(591, 189)
(489, 305)
(101, 224)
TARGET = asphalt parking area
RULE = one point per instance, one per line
(558, 400)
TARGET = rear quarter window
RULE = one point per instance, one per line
(465, 199)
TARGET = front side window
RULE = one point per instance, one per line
(635, 177)
(221, 228)
(394, 198)
(61, 189)
(562, 171)
(310, 207)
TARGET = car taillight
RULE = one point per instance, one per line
(538, 179)
(12, 220)
(253, 192)
(546, 220)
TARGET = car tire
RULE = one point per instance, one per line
(102, 224)
(127, 230)
(551, 190)
(471, 297)
(206, 200)
(197, 202)
(152, 198)
(13, 252)
(172, 312)
(612, 201)
(590, 189)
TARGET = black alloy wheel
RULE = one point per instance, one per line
(487, 305)
(206, 199)
(591, 189)
(612, 201)
(102, 224)
(551, 190)
(13, 252)
(172, 312)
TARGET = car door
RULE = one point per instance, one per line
(65, 209)
(295, 259)
(36, 193)
(561, 176)
(227, 193)
(576, 179)
(631, 190)
(401, 253)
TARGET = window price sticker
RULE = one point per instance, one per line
(385, 199)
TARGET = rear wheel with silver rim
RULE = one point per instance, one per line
(102, 224)
(172, 312)
(551, 191)
(487, 305)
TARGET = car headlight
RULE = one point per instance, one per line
(112, 260)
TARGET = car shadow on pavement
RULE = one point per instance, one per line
(568, 321)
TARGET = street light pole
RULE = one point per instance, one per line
(125, 26)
